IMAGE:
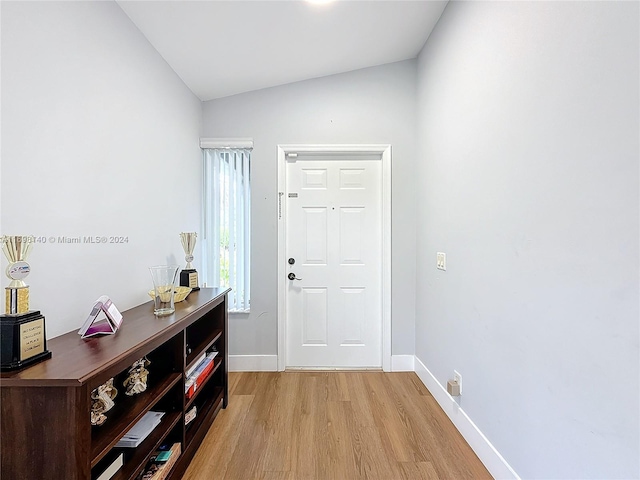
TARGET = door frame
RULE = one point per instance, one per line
(326, 152)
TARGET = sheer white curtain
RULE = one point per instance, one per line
(227, 223)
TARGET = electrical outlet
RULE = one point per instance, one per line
(441, 261)
(458, 378)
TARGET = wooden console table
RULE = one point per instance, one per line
(45, 408)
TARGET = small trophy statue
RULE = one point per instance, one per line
(189, 275)
(22, 331)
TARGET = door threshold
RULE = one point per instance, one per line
(333, 369)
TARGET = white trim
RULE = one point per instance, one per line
(253, 363)
(386, 258)
(403, 363)
(226, 143)
(486, 452)
(281, 212)
(333, 369)
(318, 152)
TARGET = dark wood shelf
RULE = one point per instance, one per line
(45, 408)
(190, 401)
(205, 410)
(201, 348)
(142, 453)
(126, 414)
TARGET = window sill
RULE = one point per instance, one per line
(239, 312)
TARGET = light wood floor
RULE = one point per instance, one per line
(332, 425)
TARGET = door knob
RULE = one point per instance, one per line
(292, 276)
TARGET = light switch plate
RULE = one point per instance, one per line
(441, 261)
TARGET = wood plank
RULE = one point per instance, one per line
(341, 453)
(220, 442)
(393, 422)
(333, 426)
(247, 459)
(338, 387)
(278, 454)
(234, 380)
(307, 445)
(418, 471)
(438, 438)
(247, 383)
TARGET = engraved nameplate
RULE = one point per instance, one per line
(31, 339)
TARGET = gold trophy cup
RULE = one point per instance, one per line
(189, 275)
(22, 331)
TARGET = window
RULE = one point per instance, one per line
(227, 222)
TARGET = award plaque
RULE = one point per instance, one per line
(23, 341)
(22, 331)
(189, 275)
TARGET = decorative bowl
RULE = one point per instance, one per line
(180, 293)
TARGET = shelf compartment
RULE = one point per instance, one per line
(206, 412)
(139, 456)
(125, 414)
(167, 357)
(201, 346)
(216, 366)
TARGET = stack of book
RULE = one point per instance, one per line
(161, 463)
(198, 373)
(140, 430)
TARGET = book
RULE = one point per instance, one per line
(190, 415)
(160, 470)
(111, 470)
(141, 430)
(196, 364)
(200, 367)
(201, 359)
(199, 375)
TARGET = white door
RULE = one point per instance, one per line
(334, 262)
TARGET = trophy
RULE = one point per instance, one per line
(189, 275)
(22, 331)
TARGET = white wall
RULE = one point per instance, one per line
(528, 180)
(99, 138)
(375, 105)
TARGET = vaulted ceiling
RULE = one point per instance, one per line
(225, 47)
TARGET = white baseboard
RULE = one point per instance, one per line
(486, 452)
(402, 363)
(253, 363)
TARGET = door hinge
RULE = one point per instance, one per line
(280, 194)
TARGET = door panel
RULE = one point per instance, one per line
(351, 235)
(352, 309)
(352, 178)
(334, 234)
(314, 316)
(315, 235)
(314, 178)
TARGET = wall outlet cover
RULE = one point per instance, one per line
(453, 388)
(458, 379)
